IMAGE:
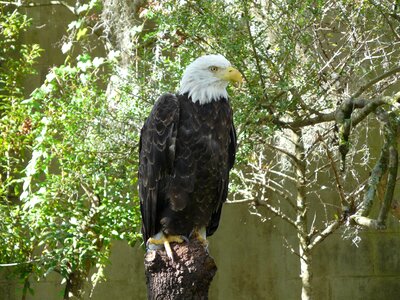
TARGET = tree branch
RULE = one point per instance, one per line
(287, 153)
(369, 84)
(372, 106)
(282, 194)
(254, 48)
(373, 181)
(387, 160)
(366, 106)
(277, 212)
(391, 184)
(323, 118)
(339, 185)
(20, 263)
(347, 120)
(301, 198)
(365, 222)
(324, 234)
(392, 170)
(388, 156)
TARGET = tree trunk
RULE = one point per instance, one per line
(25, 288)
(74, 289)
(188, 277)
(120, 21)
(301, 220)
(305, 271)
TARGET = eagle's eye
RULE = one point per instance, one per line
(213, 69)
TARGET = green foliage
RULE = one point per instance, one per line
(68, 159)
(299, 58)
(16, 59)
(80, 184)
(16, 64)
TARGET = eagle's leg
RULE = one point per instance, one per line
(200, 235)
(160, 238)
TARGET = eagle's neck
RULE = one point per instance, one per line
(204, 91)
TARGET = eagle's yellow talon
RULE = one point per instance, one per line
(200, 235)
(166, 240)
(175, 239)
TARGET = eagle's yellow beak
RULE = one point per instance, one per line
(232, 75)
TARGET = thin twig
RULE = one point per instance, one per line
(287, 153)
(369, 84)
(339, 185)
(324, 234)
(323, 118)
(271, 208)
(20, 263)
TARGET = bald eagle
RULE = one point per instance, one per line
(187, 148)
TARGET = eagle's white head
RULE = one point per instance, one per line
(206, 78)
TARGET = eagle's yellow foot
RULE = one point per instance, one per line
(166, 238)
(163, 239)
(200, 235)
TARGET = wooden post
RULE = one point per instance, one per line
(188, 277)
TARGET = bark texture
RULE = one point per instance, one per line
(75, 286)
(188, 277)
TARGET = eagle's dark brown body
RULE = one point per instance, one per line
(186, 152)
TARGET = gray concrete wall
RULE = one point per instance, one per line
(253, 263)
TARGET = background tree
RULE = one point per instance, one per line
(16, 63)
(71, 187)
(314, 71)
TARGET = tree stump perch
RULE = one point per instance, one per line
(188, 277)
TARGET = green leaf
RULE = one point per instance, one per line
(81, 33)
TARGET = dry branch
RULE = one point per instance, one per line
(365, 222)
(324, 234)
(369, 84)
(392, 170)
(339, 184)
(373, 181)
(388, 161)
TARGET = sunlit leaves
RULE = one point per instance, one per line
(86, 184)
(16, 64)
(75, 189)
